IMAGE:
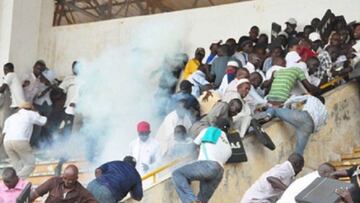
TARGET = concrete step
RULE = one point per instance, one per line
(354, 156)
(356, 149)
(346, 163)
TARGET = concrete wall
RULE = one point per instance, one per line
(339, 136)
(59, 46)
(19, 33)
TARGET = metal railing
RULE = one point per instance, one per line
(156, 171)
(331, 82)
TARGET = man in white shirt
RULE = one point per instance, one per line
(215, 150)
(199, 80)
(306, 113)
(269, 187)
(145, 149)
(69, 87)
(31, 83)
(16, 135)
(12, 82)
(324, 170)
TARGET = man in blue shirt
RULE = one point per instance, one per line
(115, 179)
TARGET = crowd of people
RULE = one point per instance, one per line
(240, 85)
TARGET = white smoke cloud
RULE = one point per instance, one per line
(117, 89)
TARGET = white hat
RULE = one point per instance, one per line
(233, 63)
(314, 36)
(291, 21)
(242, 81)
(49, 75)
(283, 33)
(292, 58)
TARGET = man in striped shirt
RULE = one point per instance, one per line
(283, 82)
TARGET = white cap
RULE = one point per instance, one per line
(283, 33)
(291, 21)
(233, 64)
(242, 81)
(314, 36)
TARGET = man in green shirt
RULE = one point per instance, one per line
(283, 82)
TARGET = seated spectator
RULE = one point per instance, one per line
(263, 39)
(292, 57)
(215, 150)
(324, 170)
(181, 145)
(199, 79)
(307, 30)
(32, 82)
(115, 179)
(283, 82)
(65, 189)
(180, 116)
(194, 63)
(254, 64)
(16, 135)
(220, 110)
(185, 94)
(305, 50)
(307, 119)
(219, 64)
(271, 184)
(231, 90)
(275, 51)
(12, 82)
(145, 149)
(278, 64)
(232, 67)
(354, 174)
(11, 186)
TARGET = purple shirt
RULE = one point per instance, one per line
(9, 195)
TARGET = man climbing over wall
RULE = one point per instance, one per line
(215, 150)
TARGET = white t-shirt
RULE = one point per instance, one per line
(68, 85)
(219, 152)
(16, 90)
(19, 126)
(296, 187)
(147, 152)
(262, 190)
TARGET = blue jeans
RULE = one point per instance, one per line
(100, 192)
(301, 120)
(209, 173)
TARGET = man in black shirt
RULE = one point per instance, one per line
(354, 174)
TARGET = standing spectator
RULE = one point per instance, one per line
(316, 42)
(290, 29)
(327, 58)
(11, 187)
(12, 82)
(213, 52)
(193, 64)
(16, 134)
(219, 65)
(271, 184)
(145, 149)
(215, 150)
(306, 120)
(65, 189)
(31, 83)
(181, 145)
(254, 33)
(185, 94)
(115, 179)
(247, 47)
(275, 51)
(69, 87)
(232, 67)
(199, 79)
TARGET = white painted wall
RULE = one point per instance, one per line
(19, 23)
(6, 8)
(59, 46)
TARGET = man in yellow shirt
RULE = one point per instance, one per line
(193, 64)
